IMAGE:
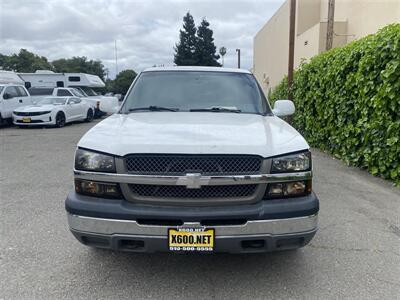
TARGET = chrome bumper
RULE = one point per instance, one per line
(254, 227)
(186, 180)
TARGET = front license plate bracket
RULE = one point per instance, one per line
(191, 239)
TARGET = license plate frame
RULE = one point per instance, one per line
(191, 239)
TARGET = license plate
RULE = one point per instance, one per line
(191, 239)
(26, 120)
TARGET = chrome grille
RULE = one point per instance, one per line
(205, 192)
(154, 164)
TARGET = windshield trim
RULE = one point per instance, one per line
(266, 108)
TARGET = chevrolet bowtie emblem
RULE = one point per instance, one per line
(192, 181)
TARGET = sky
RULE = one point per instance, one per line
(145, 31)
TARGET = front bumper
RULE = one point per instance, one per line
(264, 226)
(45, 119)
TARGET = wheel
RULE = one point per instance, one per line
(89, 115)
(60, 119)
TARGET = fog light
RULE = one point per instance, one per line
(98, 189)
(294, 188)
(288, 189)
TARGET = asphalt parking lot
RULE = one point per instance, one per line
(355, 254)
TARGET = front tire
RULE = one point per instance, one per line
(89, 115)
(60, 119)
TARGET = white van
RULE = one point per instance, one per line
(13, 94)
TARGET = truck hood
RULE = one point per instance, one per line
(193, 133)
(35, 108)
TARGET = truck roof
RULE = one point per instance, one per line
(196, 68)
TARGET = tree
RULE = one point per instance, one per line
(25, 62)
(79, 65)
(186, 47)
(205, 47)
(122, 82)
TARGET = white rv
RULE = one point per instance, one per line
(81, 81)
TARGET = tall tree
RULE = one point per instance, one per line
(24, 61)
(206, 51)
(79, 65)
(185, 49)
(122, 81)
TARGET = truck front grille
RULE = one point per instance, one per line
(156, 164)
(205, 192)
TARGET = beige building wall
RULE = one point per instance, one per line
(271, 48)
(353, 19)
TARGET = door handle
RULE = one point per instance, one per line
(20, 100)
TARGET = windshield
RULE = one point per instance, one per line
(88, 91)
(82, 91)
(193, 90)
(53, 100)
(77, 93)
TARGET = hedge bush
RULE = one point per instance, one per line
(348, 102)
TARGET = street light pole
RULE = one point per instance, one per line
(116, 59)
(292, 23)
(238, 58)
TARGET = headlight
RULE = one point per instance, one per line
(92, 161)
(292, 163)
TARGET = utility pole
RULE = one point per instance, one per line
(292, 24)
(238, 58)
(331, 22)
(116, 59)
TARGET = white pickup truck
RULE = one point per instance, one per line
(194, 160)
(12, 96)
(102, 105)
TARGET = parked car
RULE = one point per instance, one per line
(194, 160)
(56, 111)
(12, 96)
(101, 105)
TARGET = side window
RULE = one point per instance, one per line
(21, 91)
(40, 91)
(11, 91)
(63, 93)
(74, 78)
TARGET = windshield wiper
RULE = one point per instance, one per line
(153, 108)
(218, 109)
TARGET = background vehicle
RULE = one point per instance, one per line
(81, 81)
(101, 107)
(13, 94)
(195, 160)
(54, 111)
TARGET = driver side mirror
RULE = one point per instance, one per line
(7, 96)
(283, 108)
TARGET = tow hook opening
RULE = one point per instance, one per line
(253, 244)
(131, 244)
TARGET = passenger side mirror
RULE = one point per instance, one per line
(7, 96)
(283, 108)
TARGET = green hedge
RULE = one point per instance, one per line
(348, 102)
